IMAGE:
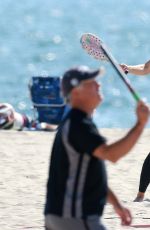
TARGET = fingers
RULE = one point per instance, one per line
(124, 68)
(144, 107)
(143, 112)
(126, 217)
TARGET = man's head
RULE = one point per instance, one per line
(80, 85)
(74, 76)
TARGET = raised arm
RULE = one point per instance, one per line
(120, 148)
(142, 69)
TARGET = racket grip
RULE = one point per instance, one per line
(126, 72)
(136, 97)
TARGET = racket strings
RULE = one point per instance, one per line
(92, 45)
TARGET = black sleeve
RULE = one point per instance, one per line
(84, 137)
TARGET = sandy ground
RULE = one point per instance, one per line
(24, 159)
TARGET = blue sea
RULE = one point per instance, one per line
(42, 37)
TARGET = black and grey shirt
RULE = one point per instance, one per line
(77, 184)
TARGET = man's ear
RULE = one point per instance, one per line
(75, 91)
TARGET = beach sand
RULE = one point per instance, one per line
(24, 160)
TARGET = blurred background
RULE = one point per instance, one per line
(43, 38)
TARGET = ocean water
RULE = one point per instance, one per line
(43, 38)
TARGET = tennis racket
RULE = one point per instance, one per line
(97, 49)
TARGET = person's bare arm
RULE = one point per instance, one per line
(120, 148)
(113, 152)
(141, 69)
(123, 212)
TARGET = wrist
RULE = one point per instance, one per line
(117, 207)
(130, 69)
(140, 125)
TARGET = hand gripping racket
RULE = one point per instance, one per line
(97, 49)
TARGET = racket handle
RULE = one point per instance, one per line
(126, 72)
(136, 97)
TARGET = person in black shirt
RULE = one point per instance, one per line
(77, 188)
